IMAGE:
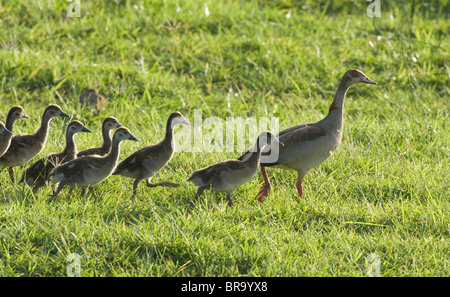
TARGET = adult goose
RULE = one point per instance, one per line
(148, 161)
(88, 171)
(108, 124)
(37, 174)
(229, 175)
(16, 112)
(25, 147)
(307, 146)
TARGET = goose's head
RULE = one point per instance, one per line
(54, 110)
(17, 112)
(355, 76)
(4, 130)
(177, 118)
(75, 127)
(111, 123)
(123, 133)
(268, 138)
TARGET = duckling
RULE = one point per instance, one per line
(148, 161)
(37, 174)
(25, 147)
(93, 98)
(229, 175)
(89, 170)
(16, 112)
(108, 124)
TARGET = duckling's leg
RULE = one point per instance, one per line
(55, 194)
(135, 185)
(265, 189)
(11, 174)
(83, 191)
(299, 187)
(199, 192)
(230, 201)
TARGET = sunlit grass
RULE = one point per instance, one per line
(384, 191)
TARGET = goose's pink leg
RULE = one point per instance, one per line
(265, 189)
(299, 187)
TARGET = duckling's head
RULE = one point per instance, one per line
(54, 110)
(177, 118)
(354, 76)
(123, 133)
(111, 123)
(17, 112)
(4, 130)
(75, 127)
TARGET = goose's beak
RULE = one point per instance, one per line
(367, 80)
(185, 121)
(85, 130)
(277, 141)
(63, 114)
(25, 116)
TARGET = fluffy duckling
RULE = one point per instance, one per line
(149, 160)
(16, 112)
(93, 98)
(89, 170)
(229, 175)
(25, 147)
(37, 174)
(108, 124)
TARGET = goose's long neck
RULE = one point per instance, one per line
(70, 149)
(334, 119)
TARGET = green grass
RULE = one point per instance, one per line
(384, 191)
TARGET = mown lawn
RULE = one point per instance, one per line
(385, 191)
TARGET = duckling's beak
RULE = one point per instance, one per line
(367, 80)
(85, 130)
(132, 138)
(25, 116)
(63, 114)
